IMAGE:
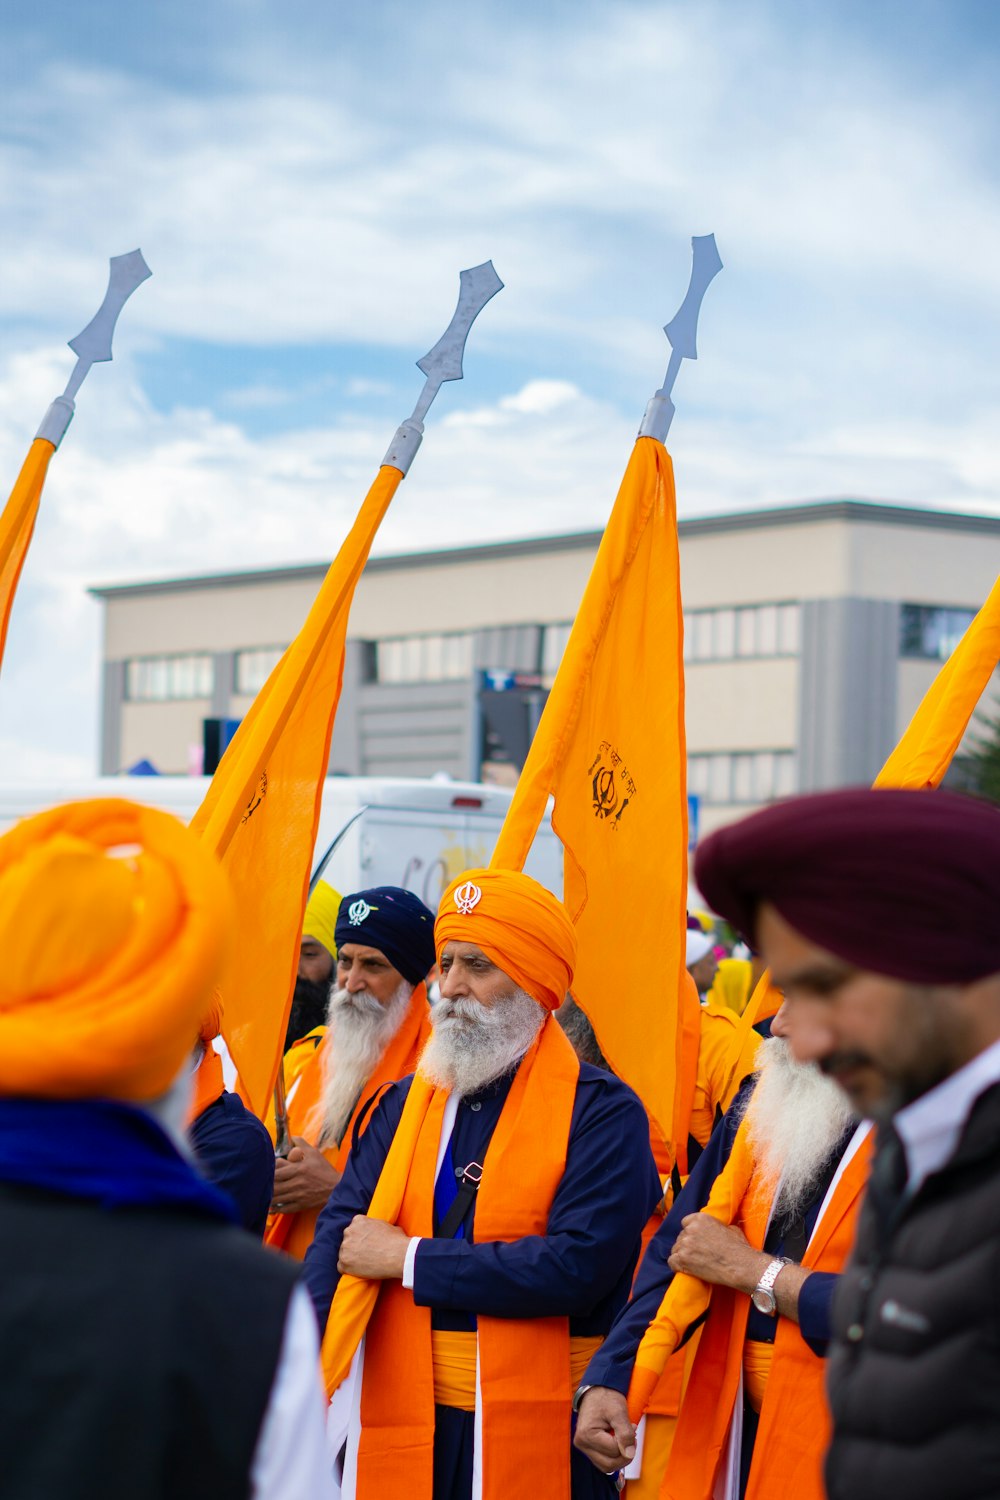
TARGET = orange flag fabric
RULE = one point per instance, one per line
(935, 732)
(610, 749)
(262, 808)
(921, 759)
(17, 525)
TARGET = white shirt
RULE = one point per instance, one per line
(930, 1127)
(291, 1458)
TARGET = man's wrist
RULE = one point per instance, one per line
(579, 1394)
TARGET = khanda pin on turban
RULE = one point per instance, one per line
(394, 921)
(902, 883)
(115, 924)
(518, 924)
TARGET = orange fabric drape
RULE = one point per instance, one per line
(262, 808)
(794, 1419)
(610, 748)
(763, 1003)
(293, 1233)
(935, 732)
(524, 1364)
(17, 523)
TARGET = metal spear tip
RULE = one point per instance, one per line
(476, 286)
(93, 345)
(706, 263)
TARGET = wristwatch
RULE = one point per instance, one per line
(762, 1296)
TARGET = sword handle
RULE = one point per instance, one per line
(282, 1137)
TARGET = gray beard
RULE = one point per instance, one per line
(360, 1029)
(794, 1119)
(472, 1045)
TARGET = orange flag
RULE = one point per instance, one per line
(610, 749)
(935, 732)
(262, 809)
(921, 759)
(17, 525)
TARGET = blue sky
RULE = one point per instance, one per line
(306, 182)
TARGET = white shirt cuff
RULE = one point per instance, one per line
(410, 1263)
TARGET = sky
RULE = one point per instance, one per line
(307, 180)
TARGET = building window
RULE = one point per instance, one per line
(554, 642)
(156, 679)
(253, 668)
(424, 658)
(744, 776)
(930, 633)
(755, 630)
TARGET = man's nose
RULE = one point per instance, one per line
(451, 984)
(810, 1039)
(355, 980)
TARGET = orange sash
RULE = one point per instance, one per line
(293, 1233)
(209, 1083)
(523, 1363)
(794, 1423)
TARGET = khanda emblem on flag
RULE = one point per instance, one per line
(612, 787)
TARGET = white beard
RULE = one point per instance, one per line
(361, 1028)
(472, 1044)
(794, 1120)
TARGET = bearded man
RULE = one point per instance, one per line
(377, 1024)
(778, 1188)
(485, 1231)
(314, 977)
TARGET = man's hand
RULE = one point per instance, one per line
(717, 1253)
(373, 1249)
(603, 1430)
(305, 1180)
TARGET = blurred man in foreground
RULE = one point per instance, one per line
(150, 1348)
(877, 912)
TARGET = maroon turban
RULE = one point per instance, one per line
(904, 883)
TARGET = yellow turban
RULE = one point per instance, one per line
(115, 924)
(320, 920)
(518, 924)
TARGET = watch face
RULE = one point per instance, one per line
(764, 1302)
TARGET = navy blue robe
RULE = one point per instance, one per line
(612, 1364)
(580, 1269)
(233, 1150)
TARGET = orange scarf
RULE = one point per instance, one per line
(209, 1083)
(524, 1363)
(293, 1233)
(794, 1423)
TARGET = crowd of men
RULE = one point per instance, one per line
(483, 1277)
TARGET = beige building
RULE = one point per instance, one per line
(811, 633)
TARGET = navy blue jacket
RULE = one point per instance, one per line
(234, 1151)
(580, 1268)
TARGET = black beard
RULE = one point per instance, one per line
(308, 1009)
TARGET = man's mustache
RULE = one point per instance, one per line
(843, 1062)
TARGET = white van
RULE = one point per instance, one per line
(372, 830)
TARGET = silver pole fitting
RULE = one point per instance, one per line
(658, 417)
(56, 420)
(408, 437)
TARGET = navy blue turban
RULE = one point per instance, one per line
(394, 921)
(903, 883)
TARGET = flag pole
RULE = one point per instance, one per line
(93, 345)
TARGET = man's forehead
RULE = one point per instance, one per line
(788, 952)
(461, 949)
(360, 950)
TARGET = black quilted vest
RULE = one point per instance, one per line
(137, 1351)
(914, 1372)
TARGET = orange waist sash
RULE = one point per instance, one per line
(454, 1356)
(757, 1360)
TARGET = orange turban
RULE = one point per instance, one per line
(518, 924)
(115, 923)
